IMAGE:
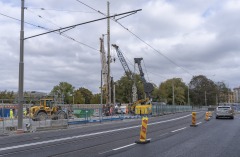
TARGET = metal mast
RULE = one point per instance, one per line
(108, 57)
(21, 72)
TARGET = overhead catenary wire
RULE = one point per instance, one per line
(170, 60)
(47, 29)
(40, 16)
(59, 10)
(24, 21)
(73, 26)
(65, 35)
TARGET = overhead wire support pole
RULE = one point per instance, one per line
(21, 73)
(72, 26)
(108, 57)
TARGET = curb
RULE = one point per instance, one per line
(51, 128)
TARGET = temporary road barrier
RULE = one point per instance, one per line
(194, 114)
(207, 116)
(143, 133)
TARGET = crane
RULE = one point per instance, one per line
(143, 106)
(127, 71)
(148, 87)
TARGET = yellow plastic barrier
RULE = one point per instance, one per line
(210, 113)
(194, 114)
(143, 132)
(207, 116)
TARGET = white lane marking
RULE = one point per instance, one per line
(199, 123)
(124, 146)
(105, 152)
(179, 129)
(86, 135)
(121, 147)
(163, 134)
(169, 120)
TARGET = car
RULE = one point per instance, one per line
(224, 111)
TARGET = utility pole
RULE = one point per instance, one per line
(205, 98)
(216, 100)
(101, 88)
(188, 96)
(173, 93)
(21, 73)
(134, 87)
(108, 57)
(114, 94)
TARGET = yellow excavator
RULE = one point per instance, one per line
(143, 106)
(47, 109)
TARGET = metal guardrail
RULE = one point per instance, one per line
(82, 114)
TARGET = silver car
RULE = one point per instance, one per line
(224, 111)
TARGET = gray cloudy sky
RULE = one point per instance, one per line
(200, 37)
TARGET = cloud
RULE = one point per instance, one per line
(186, 38)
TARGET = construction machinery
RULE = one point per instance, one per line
(105, 86)
(127, 71)
(47, 109)
(143, 106)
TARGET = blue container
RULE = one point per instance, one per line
(4, 112)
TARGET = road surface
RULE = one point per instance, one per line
(171, 136)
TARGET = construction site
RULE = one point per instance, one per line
(48, 112)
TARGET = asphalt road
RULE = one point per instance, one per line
(171, 136)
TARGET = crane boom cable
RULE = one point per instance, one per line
(146, 70)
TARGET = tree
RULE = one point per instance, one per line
(166, 91)
(123, 88)
(222, 92)
(155, 94)
(64, 90)
(7, 96)
(78, 97)
(202, 91)
(86, 95)
(96, 99)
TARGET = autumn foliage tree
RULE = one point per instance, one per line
(166, 91)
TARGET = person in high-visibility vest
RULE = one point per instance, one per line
(25, 113)
(11, 114)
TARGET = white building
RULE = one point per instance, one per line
(237, 94)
